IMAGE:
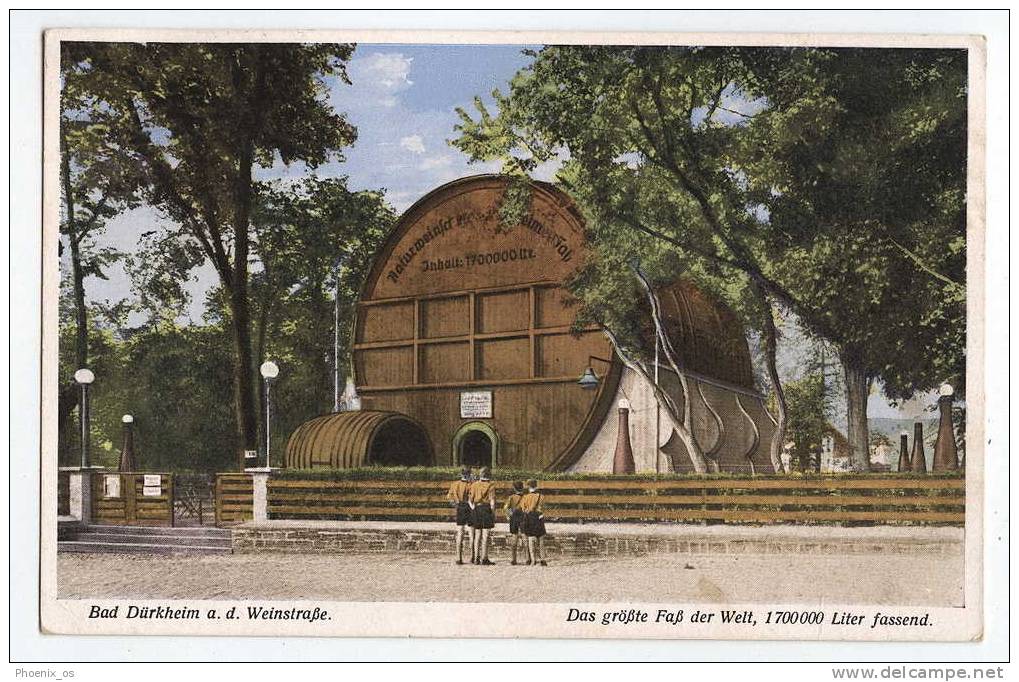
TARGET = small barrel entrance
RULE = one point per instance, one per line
(400, 442)
(344, 440)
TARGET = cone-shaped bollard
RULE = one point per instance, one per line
(127, 461)
(622, 461)
(919, 459)
(904, 452)
(946, 455)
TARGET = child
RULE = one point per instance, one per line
(482, 500)
(458, 496)
(534, 522)
(516, 519)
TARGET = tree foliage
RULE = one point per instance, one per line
(172, 376)
(828, 182)
(99, 179)
(199, 118)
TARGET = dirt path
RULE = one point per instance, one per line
(857, 579)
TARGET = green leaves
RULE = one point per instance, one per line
(833, 178)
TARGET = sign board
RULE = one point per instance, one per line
(250, 454)
(111, 485)
(476, 405)
(152, 491)
(153, 479)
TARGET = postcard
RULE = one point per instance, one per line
(558, 335)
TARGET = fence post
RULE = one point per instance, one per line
(127, 485)
(260, 495)
(173, 500)
(80, 495)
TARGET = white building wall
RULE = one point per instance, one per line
(598, 457)
(738, 432)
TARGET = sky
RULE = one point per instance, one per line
(403, 101)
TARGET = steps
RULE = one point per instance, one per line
(145, 540)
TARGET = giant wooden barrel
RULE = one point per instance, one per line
(463, 325)
(466, 349)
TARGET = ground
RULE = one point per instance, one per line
(813, 579)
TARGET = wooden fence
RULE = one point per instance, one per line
(869, 499)
(234, 498)
(125, 499)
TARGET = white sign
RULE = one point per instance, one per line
(111, 486)
(153, 479)
(152, 491)
(476, 405)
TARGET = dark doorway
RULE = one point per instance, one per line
(400, 442)
(476, 449)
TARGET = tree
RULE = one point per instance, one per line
(99, 180)
(314, 241)
(779, 167)
(809, 413)
(199, 118)
(301, 231)
(867, 207)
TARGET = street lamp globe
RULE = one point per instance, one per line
(127, 419)
(84, 376)
(269, 370)
(947, 390)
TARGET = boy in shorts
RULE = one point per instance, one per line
(482, 500)
(458, 496)
(534, 522)
(515, 516)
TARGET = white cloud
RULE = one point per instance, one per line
(436, 162)
(391, 70)
(413, 143)
(378, 77)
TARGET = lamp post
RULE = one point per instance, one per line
(658, 418)
(946, 454)
(336, 337)
(127, 462)
(269, 371)
(84, 377)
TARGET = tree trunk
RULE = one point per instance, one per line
(683, 424)
(857, 432)
(80, 313)
(246, 420)
(245, 413)
(684, 428)
(769, 337)
(68, 396)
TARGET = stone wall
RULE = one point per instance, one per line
(253, 539)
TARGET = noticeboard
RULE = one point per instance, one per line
(111, 485)
(476, 405)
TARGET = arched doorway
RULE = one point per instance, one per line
(400, 442)
(476, 445)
